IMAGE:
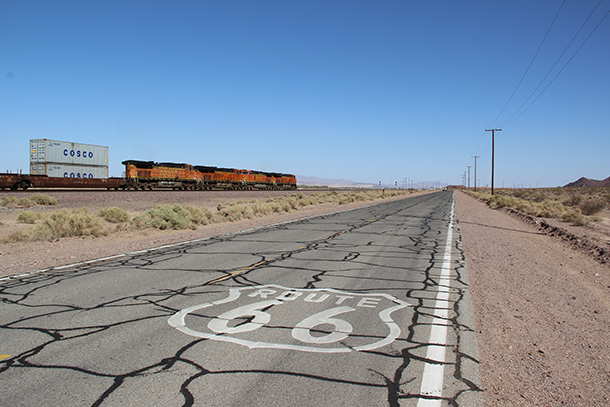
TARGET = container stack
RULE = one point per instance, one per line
(68, 160)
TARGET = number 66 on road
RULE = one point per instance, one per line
(323, 305)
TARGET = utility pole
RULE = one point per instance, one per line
(469, 166)
(493, 131)
(475, 171)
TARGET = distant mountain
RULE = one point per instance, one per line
(586, 182)
(331, 183)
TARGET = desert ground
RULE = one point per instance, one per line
(542, 306)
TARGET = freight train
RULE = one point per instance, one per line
(148, 175)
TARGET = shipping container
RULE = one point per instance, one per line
(63, 152)
(68, 171)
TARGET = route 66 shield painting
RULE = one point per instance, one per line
(312, 320)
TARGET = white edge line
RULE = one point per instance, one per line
(433, 376)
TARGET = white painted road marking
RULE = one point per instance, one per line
(432, 380)
(325, 304)
(302, 331)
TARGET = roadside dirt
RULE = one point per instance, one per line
(542, 309)
(542, 312)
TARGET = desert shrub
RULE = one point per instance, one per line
(321, 198)
(592, 206)
(346, 199)
(208, 213)
(261, 209)
(201, 216)
(304, 200)
(16, 237)
(573, 199)
(24, 202)
(281, 204)
(43, 200)
(8, 201)
(27, 217)
(551, 209)
(538, 197)
(524, 206)
(248, 212)
(519, 193)
(53, 226)
(366, 196)
(233, 213)
(576, 217)
(285, 205)
(501, 201)
(63, 223)
(275, 207)
(164, 217)
(114, 215)
(294, 205)
(82, 223)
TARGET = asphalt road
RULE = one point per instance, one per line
(368, 307)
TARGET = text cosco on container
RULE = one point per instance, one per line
(77, 175)
(78, 153)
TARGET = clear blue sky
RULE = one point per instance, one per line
(364, 90)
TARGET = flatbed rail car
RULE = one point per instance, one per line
(24, 181)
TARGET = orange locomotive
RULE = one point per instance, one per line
(148, 175)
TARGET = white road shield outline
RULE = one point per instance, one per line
(178, 321)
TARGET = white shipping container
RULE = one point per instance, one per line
(52, 151)
(68, 171)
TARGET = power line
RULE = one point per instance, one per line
(555, 77)
(554, 65)
(530, 65)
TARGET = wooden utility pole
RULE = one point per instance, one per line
(493, 131)
(475, 171)
(469, 167)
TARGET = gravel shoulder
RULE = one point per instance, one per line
(542, 312)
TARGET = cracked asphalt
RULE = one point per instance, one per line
(364, 307)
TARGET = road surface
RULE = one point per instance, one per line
(367, 307)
